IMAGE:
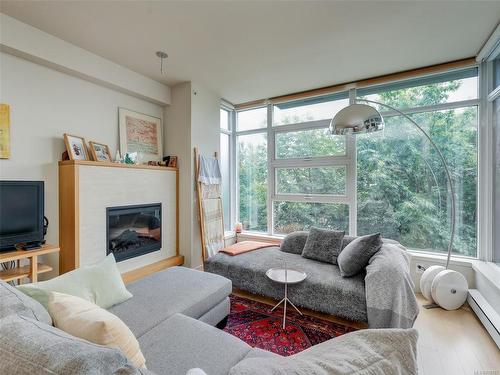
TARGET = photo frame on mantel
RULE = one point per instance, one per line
(76, 147)
(140, 133)
(100, 152)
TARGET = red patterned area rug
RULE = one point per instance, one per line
(255, 323)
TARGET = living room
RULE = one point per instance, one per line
(271, 187)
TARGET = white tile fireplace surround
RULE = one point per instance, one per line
(100, 186)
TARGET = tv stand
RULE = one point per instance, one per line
(32, 270)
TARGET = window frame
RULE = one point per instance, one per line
(350, 162)
(487, 215)
(228, 107)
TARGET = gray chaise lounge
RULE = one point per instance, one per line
(174, 343)
(382, 296)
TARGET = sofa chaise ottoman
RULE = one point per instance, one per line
(381, 296)
(199, 295)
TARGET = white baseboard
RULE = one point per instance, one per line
(486, 314)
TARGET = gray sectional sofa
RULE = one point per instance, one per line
(382, 296)
(168, 313)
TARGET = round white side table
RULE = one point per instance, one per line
(286, 276)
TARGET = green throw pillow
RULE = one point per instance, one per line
(100, 283)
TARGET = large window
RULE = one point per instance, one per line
(293, 174)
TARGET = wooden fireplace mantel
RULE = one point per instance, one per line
(114, 165)
(82, 180)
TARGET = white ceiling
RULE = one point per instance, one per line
(253, 50)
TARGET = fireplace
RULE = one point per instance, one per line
(133, 230)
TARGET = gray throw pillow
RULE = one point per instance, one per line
(13, 301)
(347, 240)
(31, 347)
(294, 242)
(356, 255)
(323, 245)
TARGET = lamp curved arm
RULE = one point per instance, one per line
(448, 175)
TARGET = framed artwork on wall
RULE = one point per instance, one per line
(140, 133)
(100, 152)
(4, 131)
(76, 147)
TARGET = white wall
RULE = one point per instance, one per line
(30, 43)
(178, 142)
(205, 128)
(191, 121)
(45, 104)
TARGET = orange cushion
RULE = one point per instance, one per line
(245, 247)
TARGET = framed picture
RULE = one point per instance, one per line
(100, 152)
(140, 133)
(76, 147)
(4, 131)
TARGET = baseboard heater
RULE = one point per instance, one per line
(486, 314)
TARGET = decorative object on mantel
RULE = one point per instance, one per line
(171, 161)
(76, 147)
(100, 152)
(158, 163)
(130, 158)
(441, 286)
(140, 133)
(118, 157)
(4, 131)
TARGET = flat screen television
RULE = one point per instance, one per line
(21, 214)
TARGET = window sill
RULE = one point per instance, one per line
(441, 258)
(489, 270)
(229, 235)
(415, 254)
(259, 237)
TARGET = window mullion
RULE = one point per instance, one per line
(317, 124)
(432, 108)
(312, 198)
(270, 169)
(311, 162)
(351, 185)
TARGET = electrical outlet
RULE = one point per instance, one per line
(420, 268)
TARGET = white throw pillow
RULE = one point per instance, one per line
(85, 320)
(100, 283)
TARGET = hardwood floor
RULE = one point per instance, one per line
(454, 343)
(450, 342)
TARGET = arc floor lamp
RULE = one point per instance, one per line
(439, 285)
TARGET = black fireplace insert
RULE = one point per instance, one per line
(133, 230)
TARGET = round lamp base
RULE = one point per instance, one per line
(426, 281)
(449, 289)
